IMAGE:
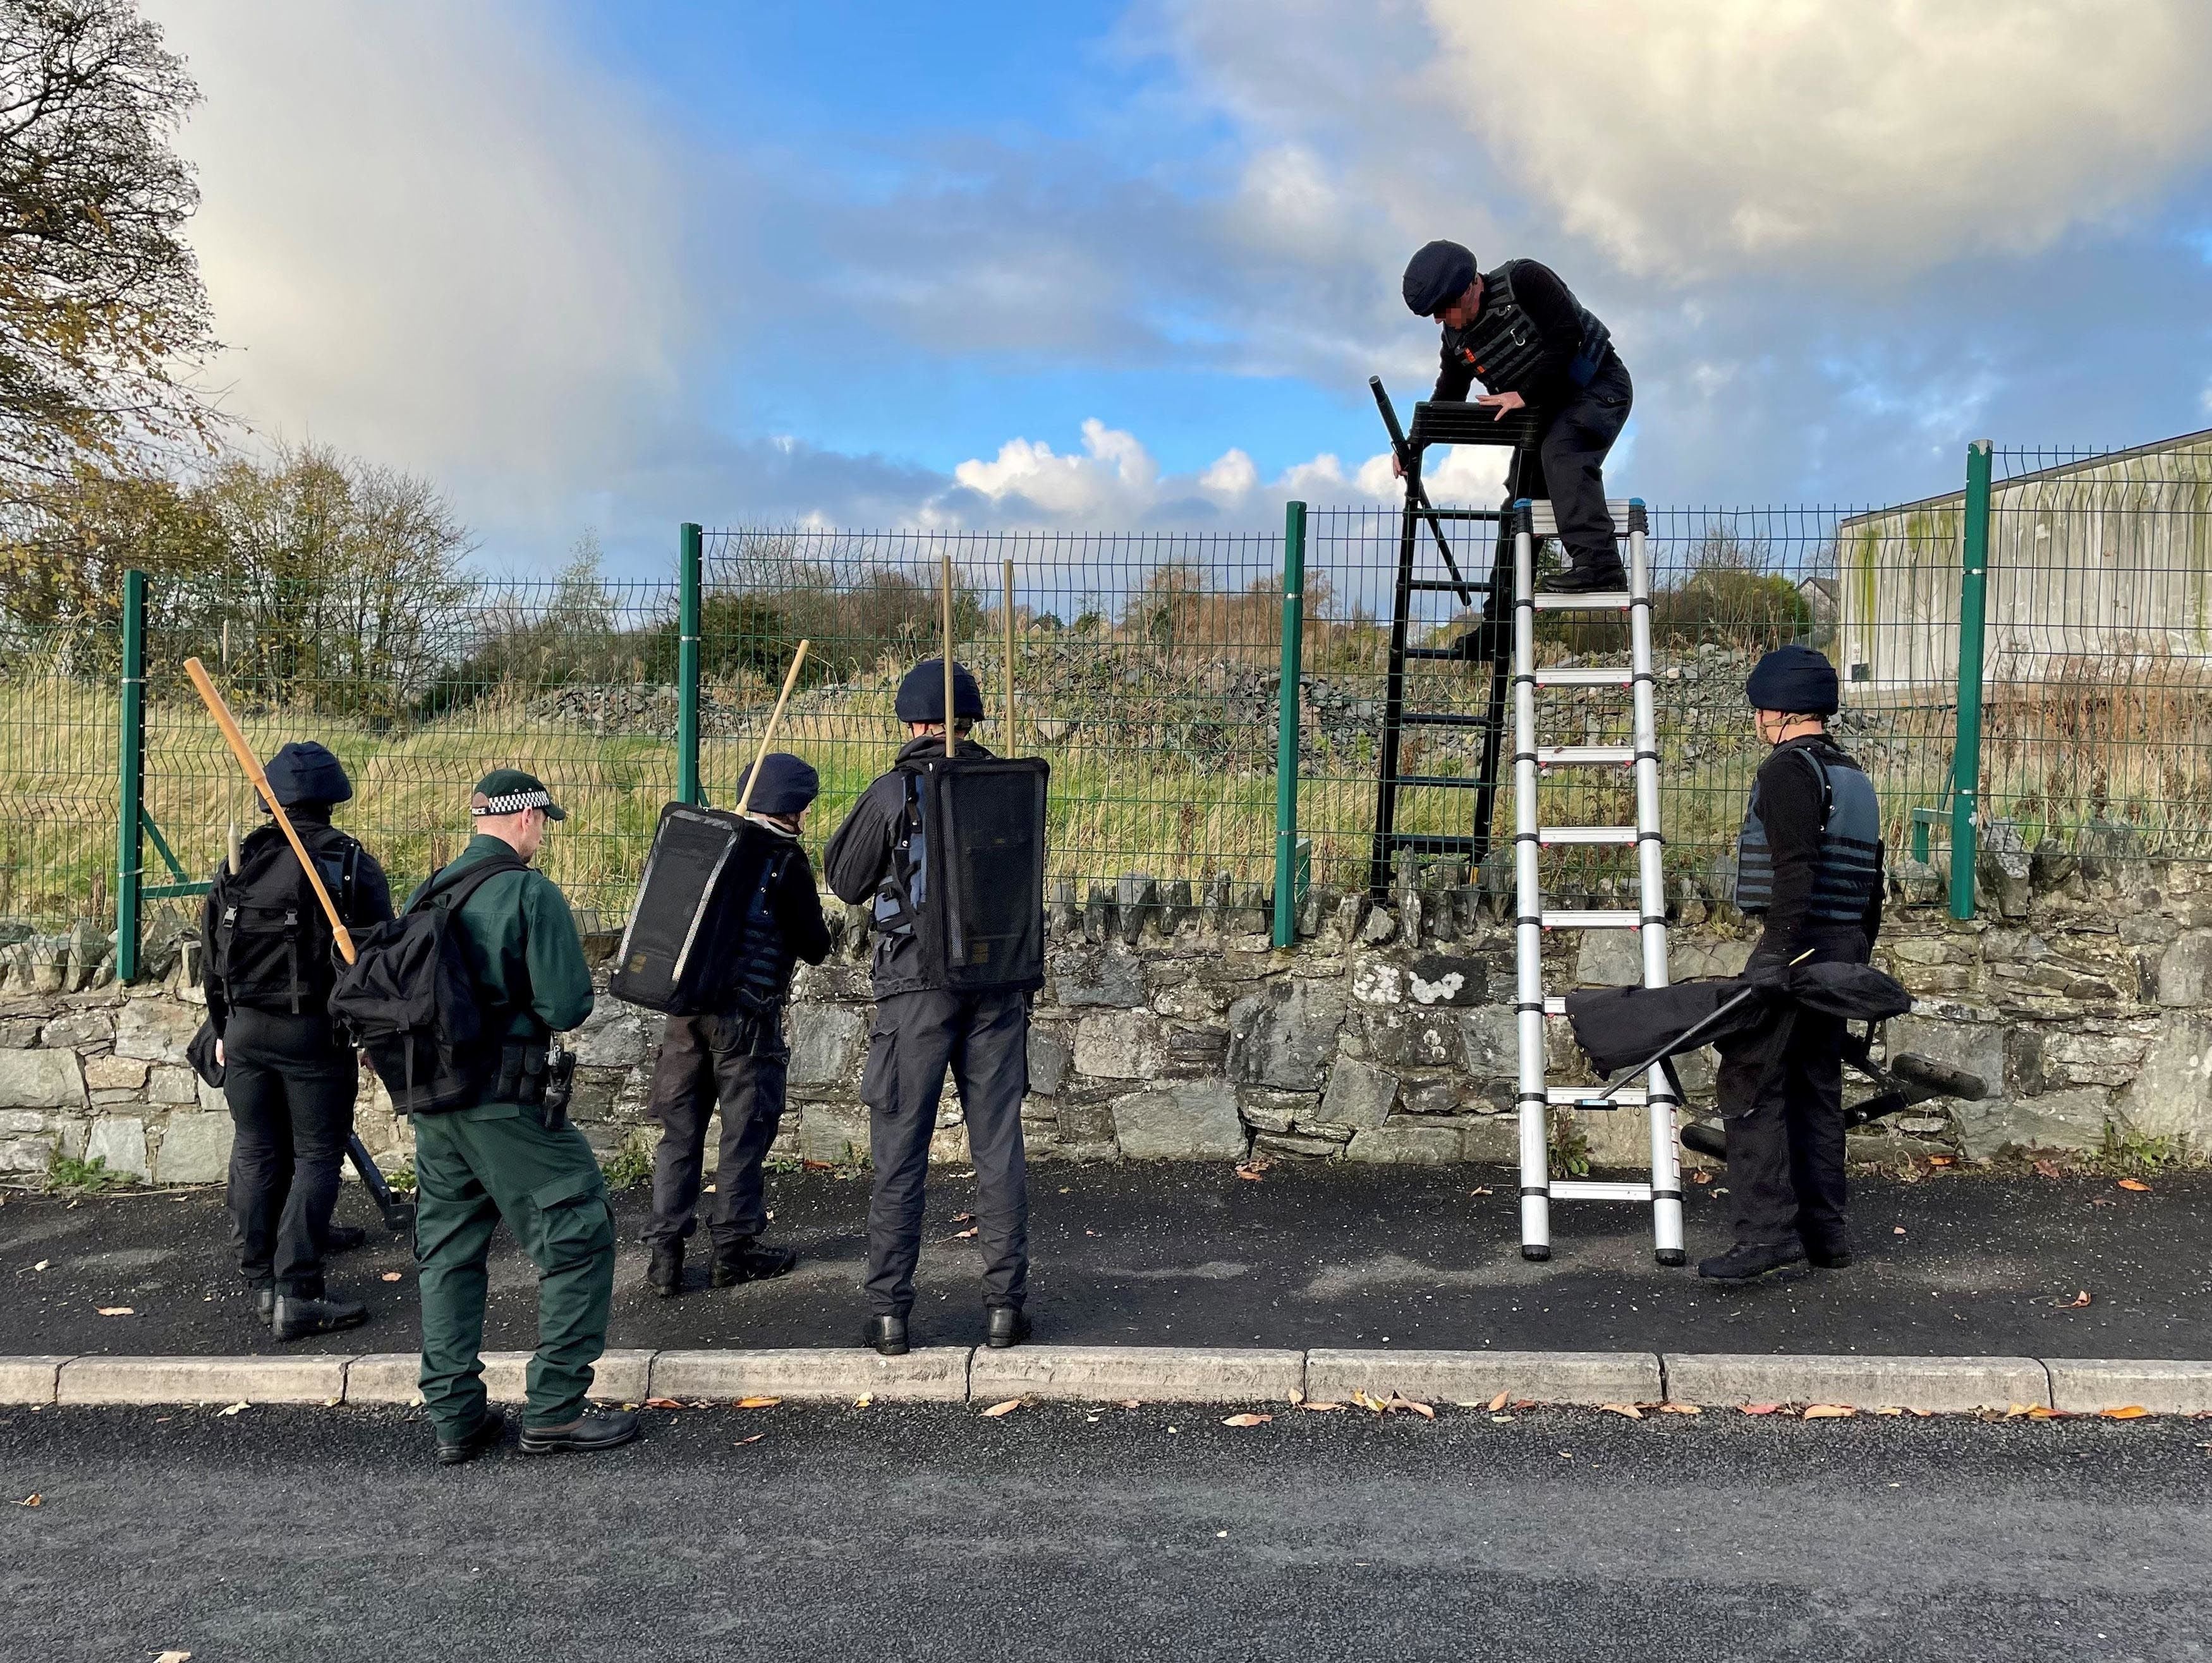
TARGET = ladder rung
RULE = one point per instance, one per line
(1592, 921)
(1585, 677)
(1587, 1189)
(1463, 782)
(1571, 1096)
(1546, 522)
(1613, 600)
(1447, 586)
(1432, 842)
(1549, 757)
(1452, 653)
(1440, 719)
(1550, 834)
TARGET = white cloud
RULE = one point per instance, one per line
(1692, 137)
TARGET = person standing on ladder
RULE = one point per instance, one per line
(1522, 333)
(1808, 866)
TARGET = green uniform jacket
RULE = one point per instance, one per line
(523, 948)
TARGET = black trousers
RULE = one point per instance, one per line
(741, 1063)
(1568, 463)
(291, 1088)
(984, 1039)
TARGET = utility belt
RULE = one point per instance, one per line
(537, 1073)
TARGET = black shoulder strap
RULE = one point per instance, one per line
(1828, 785)
(454, 890)
(898, 886)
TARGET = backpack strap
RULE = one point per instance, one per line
(898, 887)
(454, 890)
(1828, 785)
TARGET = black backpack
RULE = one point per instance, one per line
(411, 1003)
(273, 946)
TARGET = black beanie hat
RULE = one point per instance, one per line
(305, 771)
(1442, 271)
(787, 784)
(922, 694)
(1796, 680)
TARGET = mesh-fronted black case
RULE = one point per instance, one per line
(983, 920)
(682, 933)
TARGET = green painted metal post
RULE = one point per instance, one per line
(1966, 752)
(130, 799)
(687, 672)
(1286, 733)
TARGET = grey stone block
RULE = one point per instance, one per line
(2171, 1095)
(1609, 958)
(1109, 1374)
(1446, 979)
(171, 1086)
(1489, 1042)
(826, 1041)
(40, 1079)
(1285, 1034)
(836, 1133)
(202, 1380)
(195, 1148)
(1049, 1056)
(384, 1377)
(935, 1373)
(155, 1030)
(1112, 976)
(1864, 1382)
(2083, 1385)
(1196, 1120)
(1358, 1096)
(1120, 1044)
(30, 1378)
(1470, 1377)
(119, 1140)
(78, 1028)
(2185, 971)
(391, 1376)
(612, 1036)
(1403, 1145)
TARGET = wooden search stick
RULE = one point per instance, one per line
(1006, 601)
(948, 655)
(214, 700)
(790, 681)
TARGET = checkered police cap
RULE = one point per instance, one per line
(510, 791)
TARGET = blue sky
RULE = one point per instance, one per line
(601, 267)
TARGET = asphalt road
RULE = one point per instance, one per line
(1058, 1532)
(1182, 1254)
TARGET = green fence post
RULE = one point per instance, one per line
(687, 672)
(1966, 752)
(130, 799)
(1286, 733)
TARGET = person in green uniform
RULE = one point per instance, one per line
(511, 1158)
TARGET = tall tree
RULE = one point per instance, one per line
(103, 319)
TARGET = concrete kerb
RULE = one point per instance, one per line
(1160, 1375)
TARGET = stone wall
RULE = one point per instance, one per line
(1169, 1029)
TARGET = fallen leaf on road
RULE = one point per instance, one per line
(864, 1399)
(1251, 1175)
(2047, 1169)
(42, 1263)
(117, 1310)
(1922, 1414)
(391, 1276)
(2078, 1301)
(2135, 1184)
(1679, 1409)
(1897, 1230)
(1132, 1402)
(966, 1235)
(174, 1657)
(1762, 1408)
(1939, 1160)
(1829, 1411)
(742, 1442)
(1501, 1420)
(2041, 1412)
(1499, 1402)
(235, 1409)
(1628, 1410)
(964, 1217)
(1411, 1407)
(662, 1403)
(758, 1403)
(1322, 1408)
(1482, 1189)
(32, 1500)
(999, 1408)
(1360, 1396)
(1247, 1420)
(1889, 1411)
(2129, 1411)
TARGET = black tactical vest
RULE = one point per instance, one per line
(1849, 861)
(760, 968)
(1505, 352)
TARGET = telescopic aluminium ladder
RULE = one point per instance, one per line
(1661, 1093)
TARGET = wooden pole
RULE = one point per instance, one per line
(790, 681)
(948, 655)
(214, 700)
(1006, 601)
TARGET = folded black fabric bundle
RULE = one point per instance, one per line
(1620, 1026)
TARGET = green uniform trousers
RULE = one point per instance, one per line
(473, 1168)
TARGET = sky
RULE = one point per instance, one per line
(598, 268)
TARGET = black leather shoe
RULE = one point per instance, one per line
(264, 1304)
(1828, 1256)
(665, 1275)
(296, 1319)
(487, 1433)
(1747, 1261)
(745, 1260)
(1586, 577)
(886, 1335)
(1009, 1325)
(344, 1238)
(594, 1430)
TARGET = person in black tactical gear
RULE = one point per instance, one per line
(739, 1053)
(268, 965)
(1522, 333)
(1809, 866)
(919, 1028)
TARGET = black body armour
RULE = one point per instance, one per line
(1850, 848)
(1505, 350)
(967, 877)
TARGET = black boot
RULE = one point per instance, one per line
(743, 1259)
(264, 1304)
(1009, 1325)
(1747, 1261)
(1590, 574)
(1828, 1253)
(594, 1430)
(470, 1445)
(886, 1335)
(344, 1238)
(665, 1275)
(293, 1318)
